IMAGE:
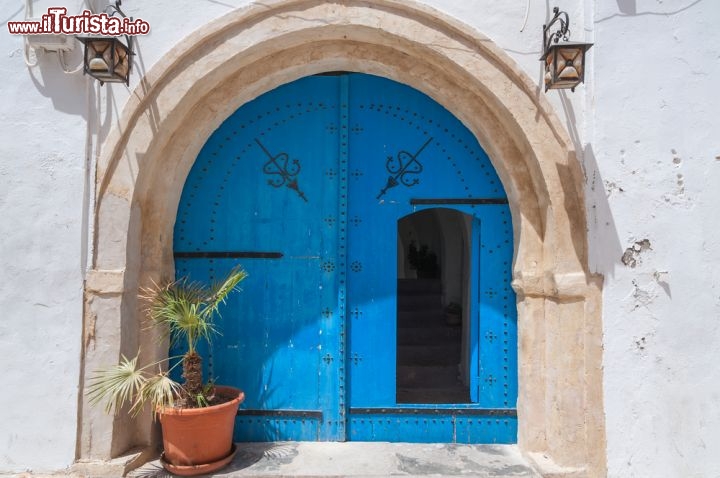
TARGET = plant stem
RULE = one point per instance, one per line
(192, 373)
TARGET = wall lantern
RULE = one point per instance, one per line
(109, 59)
(564, 60)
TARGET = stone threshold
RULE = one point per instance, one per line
(365, 459)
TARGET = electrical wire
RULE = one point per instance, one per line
(26, 43)
(63, 64)
(527, 12)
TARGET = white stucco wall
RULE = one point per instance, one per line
(44, 118)
(42, 151)
(645, 124)
(654, 138)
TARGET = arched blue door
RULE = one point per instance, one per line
(304, 186)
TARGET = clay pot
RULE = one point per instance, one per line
(200, 440)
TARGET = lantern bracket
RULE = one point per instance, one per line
(564, 60)
(562, 32)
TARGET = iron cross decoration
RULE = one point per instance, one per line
(282, 171)
(404, 169)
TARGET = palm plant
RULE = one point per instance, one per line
(185, 311)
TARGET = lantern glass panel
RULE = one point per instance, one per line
(107, 59)
(565, 65)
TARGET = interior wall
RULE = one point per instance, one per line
(453, 258)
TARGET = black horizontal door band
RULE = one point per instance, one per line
(316, 414)
(488, 412)
(228, 255)
(416, 201)
(333, 73)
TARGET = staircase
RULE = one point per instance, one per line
(428, 350)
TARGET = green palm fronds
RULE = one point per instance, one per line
(220, 291)
(126, 383)
(160, 390)
(185, 311)
(116, 385)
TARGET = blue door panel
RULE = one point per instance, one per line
(394, 428)
(261, 190)
(486, 430)
(259, 429)
(403, 134)
(433, 428)
(497, 338)
(304, 187)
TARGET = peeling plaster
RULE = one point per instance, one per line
(661, 277)
(642, 295)
(631, 257)
(611, 187)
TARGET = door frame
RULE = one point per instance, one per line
(146, 157)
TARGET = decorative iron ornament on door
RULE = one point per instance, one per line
(282, 171)
(312, 340)
(404, 169)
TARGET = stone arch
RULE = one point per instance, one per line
(232, 60)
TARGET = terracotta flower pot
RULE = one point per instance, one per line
(200, 440)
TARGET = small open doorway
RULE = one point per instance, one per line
(433, 329)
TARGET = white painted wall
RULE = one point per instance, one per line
(653, 161)
(42, 150)
(647, 115)
(44, 118)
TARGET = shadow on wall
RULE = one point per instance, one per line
(66, 89)
(604, 247)
(46, 72)
(627, 7)
(61, 79)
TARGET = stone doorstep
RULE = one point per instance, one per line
(116, 467)
(333, 459)
(366, 459)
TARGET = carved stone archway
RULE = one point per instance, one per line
(200, 82)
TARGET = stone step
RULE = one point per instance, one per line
(420, 318)
(436, 335)
(419, 302)
(365, 459)
(425, 355)
(413, 376)
(419, 286)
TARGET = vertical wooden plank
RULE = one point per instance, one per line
(337, 410)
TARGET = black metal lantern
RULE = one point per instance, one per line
(108, 59)
(564, 60)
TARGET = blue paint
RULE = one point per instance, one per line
(321, 170)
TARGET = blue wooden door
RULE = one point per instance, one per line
(304, 187)
(408, 153)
